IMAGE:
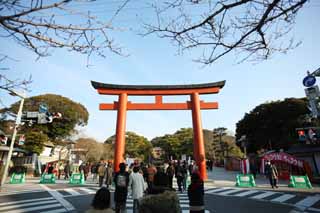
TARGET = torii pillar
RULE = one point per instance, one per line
(158, 91)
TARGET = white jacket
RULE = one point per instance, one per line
(136, 185)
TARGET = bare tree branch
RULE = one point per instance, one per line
(34, 25)
(254, 29)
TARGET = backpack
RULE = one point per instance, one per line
(122, 180)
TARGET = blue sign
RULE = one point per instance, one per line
(43, 108)
(309, 81)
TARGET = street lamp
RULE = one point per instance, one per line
(17, 123)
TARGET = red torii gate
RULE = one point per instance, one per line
(195, 104)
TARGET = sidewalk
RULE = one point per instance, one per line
(220, 177)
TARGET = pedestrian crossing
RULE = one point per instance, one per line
(47, 204)
(302, 202)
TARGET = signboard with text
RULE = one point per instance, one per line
(300, 182)
(246, 180)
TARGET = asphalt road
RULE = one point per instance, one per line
(69, 198)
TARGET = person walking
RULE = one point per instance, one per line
(109, 175)
(121, 180)
(272, 173)
(136, 184)
(94, 171)
(61, 169)
(101, 202)
(66, 171)
(185, 176)
(196, 194)
(86, 170)
(170, 173)
(101, 173)
(179, 176)
(151, 172)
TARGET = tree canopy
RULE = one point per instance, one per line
(272, 125)
(136, 146)
(73, 114)
(93, 151)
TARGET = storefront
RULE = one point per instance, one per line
(286, 164)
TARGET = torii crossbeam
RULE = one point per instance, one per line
(158, 91)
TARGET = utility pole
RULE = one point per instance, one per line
(15, 129)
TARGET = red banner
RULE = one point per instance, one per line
(284, 157)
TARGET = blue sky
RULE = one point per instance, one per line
(155, 61)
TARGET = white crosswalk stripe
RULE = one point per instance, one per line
(308, 201)
(263, 195)
(47, 204)
(303, 203)
(283, 198)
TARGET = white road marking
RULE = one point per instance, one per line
(27, 204)
(283, 198)
(229, 191)
(308, 201)
(72, 191)
(215, 190)
(242, 194)
(34, 208)
(89, 191)
(263, 195)
(59, 198)
(314, 209)
(26, 201)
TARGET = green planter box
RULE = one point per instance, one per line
(77, 179)
(18, 178)
(245, 180)
(48, 178)
(300, 182)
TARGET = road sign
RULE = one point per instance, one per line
(17, 178)
(300, 182)
(245, 180)
(309, 81)
(43, 108)
(21, 140)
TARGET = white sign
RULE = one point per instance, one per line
(47, 176)
(299, 180)
(17, 177)
(245, 178)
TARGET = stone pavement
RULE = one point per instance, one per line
(219, 177)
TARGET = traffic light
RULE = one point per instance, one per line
(302, 135)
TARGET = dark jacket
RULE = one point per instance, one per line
(120, 195)
(196, 194)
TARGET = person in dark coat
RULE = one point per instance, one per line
(121, 180)
(179, 176)
(170, 173)
(196, 194)
(160, 182)
(272, 174)
(109, 175)
(67, 171)
(50, 169)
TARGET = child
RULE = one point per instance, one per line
(101, 202)
(195, 194)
